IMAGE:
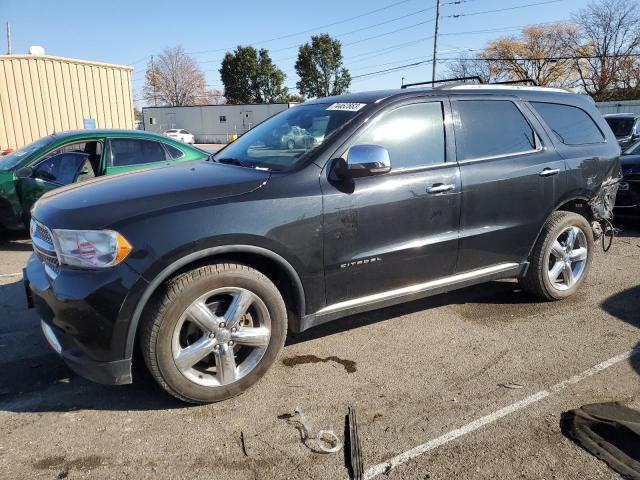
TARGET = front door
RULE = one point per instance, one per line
(510, 181)
(397, 229)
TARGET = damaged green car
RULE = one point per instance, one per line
(65, 158)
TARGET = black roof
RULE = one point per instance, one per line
(527, 93)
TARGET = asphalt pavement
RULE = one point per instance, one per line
(469, 384)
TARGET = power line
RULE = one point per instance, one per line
(458, 15)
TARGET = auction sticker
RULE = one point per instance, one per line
(347, 107)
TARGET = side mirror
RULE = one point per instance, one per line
(24, 172)
(364, 161)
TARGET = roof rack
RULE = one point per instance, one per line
(459, 81)
(444, 80)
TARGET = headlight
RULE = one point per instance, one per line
(91, 248)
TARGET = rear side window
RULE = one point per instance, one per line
(173, 151)
(491, 128)
(131, 151)
(571, 125)
(413, 135)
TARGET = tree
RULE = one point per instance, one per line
(467, 66)
(609, 35)
(539, 53)
(173, 78)
(320, 69)
(250, 76)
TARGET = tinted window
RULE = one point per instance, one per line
(173, 151)
(13, 159)
(621, 127)
(489, 128)
(571, 125)
(62, 168)
(413, 135)
(129, 151)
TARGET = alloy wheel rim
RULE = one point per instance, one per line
(221, 337)
(567, 258)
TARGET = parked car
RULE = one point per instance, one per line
(181, 135)
(628, 198)
(291, 137)
(64, 158)
(625, 126)
(205, 268)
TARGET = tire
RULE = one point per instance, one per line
(172, 333)
(546, 258)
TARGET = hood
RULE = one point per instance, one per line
(630, 164)
(106, 200)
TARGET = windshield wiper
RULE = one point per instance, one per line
(231, 161)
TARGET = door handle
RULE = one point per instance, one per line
(441, 187)
(547, 172)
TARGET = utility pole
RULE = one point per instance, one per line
(8, 38)
(435, 44)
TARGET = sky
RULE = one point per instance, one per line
(376, 34)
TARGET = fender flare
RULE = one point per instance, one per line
(192, 257)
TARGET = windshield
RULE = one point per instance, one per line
(10, 161)
(621, 126)
(278, 143)
(632, 150)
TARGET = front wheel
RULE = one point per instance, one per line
(214, 332)
(561, 258)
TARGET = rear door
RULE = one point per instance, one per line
(511, 179)
(395, 230)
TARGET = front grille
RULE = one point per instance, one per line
(43, 247)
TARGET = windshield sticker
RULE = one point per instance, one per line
(347, 107)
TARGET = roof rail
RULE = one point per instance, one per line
(515, 82)
(444, 80)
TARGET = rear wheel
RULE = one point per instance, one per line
(214, 332)
(561, 257)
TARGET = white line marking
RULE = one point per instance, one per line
(4, 275)
(398, 460)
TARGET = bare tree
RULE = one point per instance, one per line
(468, 66)
(609, 36)
(173, 78)
(539, 53)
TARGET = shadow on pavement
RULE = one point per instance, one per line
(15, 241)
(34, 379)
(505, 293)
(625, 306)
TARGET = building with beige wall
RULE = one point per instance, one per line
(43, 94)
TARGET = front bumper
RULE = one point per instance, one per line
(85, 317)
(628, 197)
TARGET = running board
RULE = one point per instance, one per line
(411, 292)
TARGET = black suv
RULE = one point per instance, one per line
(403, 194)
(625, 126)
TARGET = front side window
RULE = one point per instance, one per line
(62, 168)
(571, 125)
(413, 135)
(274, 144)
(132, 151)
(491, 128)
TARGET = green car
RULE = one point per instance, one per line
(64, 158)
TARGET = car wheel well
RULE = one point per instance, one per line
(579, 206)
(272, 269)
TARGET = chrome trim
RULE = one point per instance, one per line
(497, 157)
(420, 287)
(547, 172)
(51, 337)
(441, 188)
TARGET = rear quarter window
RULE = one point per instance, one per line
(571, 125)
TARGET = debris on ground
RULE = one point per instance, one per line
(243, 444)
(610, 431)
(323, 441)
(510, 385)
(357, 469)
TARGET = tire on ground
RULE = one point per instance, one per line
(536, 281)
(178, 293)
